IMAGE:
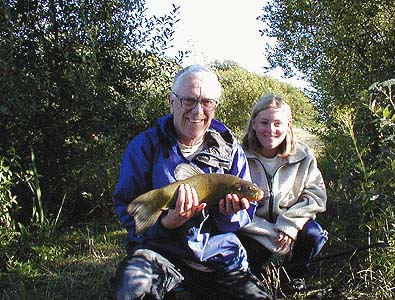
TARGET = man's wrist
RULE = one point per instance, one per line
(167, 223)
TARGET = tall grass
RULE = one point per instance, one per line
(33, 182)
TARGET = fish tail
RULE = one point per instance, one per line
(145, 211)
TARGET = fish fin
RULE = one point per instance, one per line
(184, 171)
(144, 212)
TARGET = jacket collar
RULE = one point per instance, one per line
(299, 155)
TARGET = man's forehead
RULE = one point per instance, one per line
(201, 81)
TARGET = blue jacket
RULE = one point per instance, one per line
(149, 162)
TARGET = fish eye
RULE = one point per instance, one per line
(238, 188)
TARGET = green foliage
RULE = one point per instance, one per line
(342, 47)
(77, 80)
(359, 173)
(360, 181)
(242, 89)
(7, 181)
(13, 175)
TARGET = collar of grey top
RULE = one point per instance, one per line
(300, 153)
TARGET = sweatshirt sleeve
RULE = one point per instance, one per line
(311, 201)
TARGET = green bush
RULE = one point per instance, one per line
(77, 80)
(8, 179)
(243, 89)
(359, 170)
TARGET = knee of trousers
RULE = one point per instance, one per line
(133, 286)
(146, 273)
(312, 234)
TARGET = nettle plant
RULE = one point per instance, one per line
(359, 164)
(7, 181)
(382, 105)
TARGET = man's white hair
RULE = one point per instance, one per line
(200, 71)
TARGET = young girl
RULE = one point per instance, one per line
(284, 224)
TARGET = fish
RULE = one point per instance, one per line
(210, 188)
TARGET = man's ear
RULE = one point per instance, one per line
(170, 102)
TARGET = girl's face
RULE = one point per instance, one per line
(271, 127)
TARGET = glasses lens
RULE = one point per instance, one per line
(188, 103)
(209, 104)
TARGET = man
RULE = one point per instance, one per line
(187, 245)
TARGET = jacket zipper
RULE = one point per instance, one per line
(271, 197)
(270, 180)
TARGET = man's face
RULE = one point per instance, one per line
(192, 124)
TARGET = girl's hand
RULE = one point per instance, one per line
(284, 242)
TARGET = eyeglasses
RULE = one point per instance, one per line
(190, 103)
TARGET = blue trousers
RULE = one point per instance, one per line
(308, 244)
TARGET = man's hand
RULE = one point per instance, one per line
(232, 204)
(187, 206)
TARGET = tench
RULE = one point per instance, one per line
(210, 188)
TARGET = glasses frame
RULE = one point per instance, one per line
(182, 99)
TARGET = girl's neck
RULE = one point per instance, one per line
(268, 153)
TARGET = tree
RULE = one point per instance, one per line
(341, 46)
(77, 79)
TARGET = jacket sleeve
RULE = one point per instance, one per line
(238, 220)
(135, 171)
(311, 201)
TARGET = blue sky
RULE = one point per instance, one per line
(222, 30)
